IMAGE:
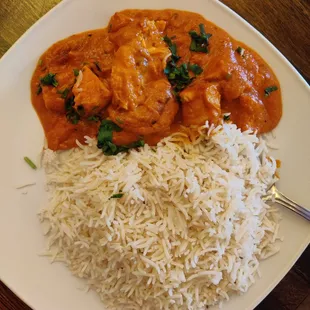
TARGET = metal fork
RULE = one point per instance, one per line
(273, 194)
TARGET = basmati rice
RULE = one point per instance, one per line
(188, 231)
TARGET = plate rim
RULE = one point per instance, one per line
(265, 41)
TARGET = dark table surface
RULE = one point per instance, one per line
(286, 23)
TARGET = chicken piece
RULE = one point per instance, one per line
(118, 21)
(90, 92)
(236, 83)
(126, 80)
(250, 108)
(154, 114)
(217, 69)
(142, 97)
(161, 25)
(53, 100)
(52, 96)
(201, 102)
(122, 29)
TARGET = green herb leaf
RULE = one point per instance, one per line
(119, 195)
(72, 115)
(64, 93)
(240, 51)
(39, 89)
(226, 117)
(96, 63)
(105, 135)
(172, 48)
(69, 103)
(49, 79)
(40, 62)
(195, 69)
(178, 76)
(80, 110)
(200, 42)
(76, 72)
(30, 162)
(269, 90)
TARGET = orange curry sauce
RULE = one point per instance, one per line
(118, 73)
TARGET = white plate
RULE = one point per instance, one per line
(48, 287)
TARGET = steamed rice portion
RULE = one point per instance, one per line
(188, 231)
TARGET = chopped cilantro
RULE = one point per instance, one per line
(226, 117)
(64, 93)
(269, 90)
(195, 69)
(172, 48)
(240, 50)
(105, 135)
(119, 195)
(72, 115)
(105, 132)
(200, 42)
(76, 72)
(30, 162)
(178, 76)
(69, 103)
(49, 79)
(80, 110)
(39, 89)
(96, 63)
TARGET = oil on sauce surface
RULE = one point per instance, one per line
(118, 73)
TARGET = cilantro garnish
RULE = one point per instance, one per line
(105, 135)
(72, 115)
(200, 42)
(179, 76)
(49, 79)
(269, 90)
(119, 195)
(64, 93)
(76, 72)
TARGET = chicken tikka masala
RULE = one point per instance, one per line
(150, 73)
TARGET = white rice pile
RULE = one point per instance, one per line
(188, 231)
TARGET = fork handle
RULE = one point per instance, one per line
(292, 205)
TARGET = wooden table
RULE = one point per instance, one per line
(286, 23)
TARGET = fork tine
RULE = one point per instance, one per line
(290, 204)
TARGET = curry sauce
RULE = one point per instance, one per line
(151, 72)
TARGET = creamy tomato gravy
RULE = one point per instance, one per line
(118, 73)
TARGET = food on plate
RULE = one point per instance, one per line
(30, 163)
(154, 168)
(151, 73)
(176, 226)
